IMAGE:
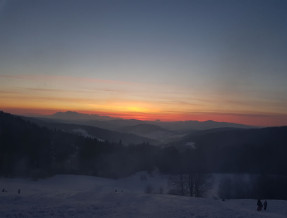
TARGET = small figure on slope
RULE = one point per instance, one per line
(265, 204)
(259, 205)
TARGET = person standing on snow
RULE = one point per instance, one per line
(265, 204)
(259, 205)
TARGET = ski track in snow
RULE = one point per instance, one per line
(85, 196)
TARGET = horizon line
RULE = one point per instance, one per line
(154, 118)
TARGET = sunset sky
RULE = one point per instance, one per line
(146, 59)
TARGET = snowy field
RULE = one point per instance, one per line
(85, 196)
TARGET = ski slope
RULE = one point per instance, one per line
(86, 196)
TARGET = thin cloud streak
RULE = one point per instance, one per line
(41, 77)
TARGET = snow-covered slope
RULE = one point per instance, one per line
(85, 196)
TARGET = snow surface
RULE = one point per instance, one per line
(87, 196)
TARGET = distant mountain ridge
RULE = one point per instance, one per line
(113, 123)
(199, 125)
(75, 115)
(93, 132)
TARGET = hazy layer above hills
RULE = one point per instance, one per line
(118, 123)
(127, 130)
(93, 132)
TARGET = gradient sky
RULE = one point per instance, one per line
(146, 59)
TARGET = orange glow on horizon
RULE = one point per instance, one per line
(48, 94)
(134, 113)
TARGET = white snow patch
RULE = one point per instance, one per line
(87, 196)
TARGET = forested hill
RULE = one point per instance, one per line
(261, 150)
(30, 150)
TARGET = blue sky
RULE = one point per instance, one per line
(223, 56)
